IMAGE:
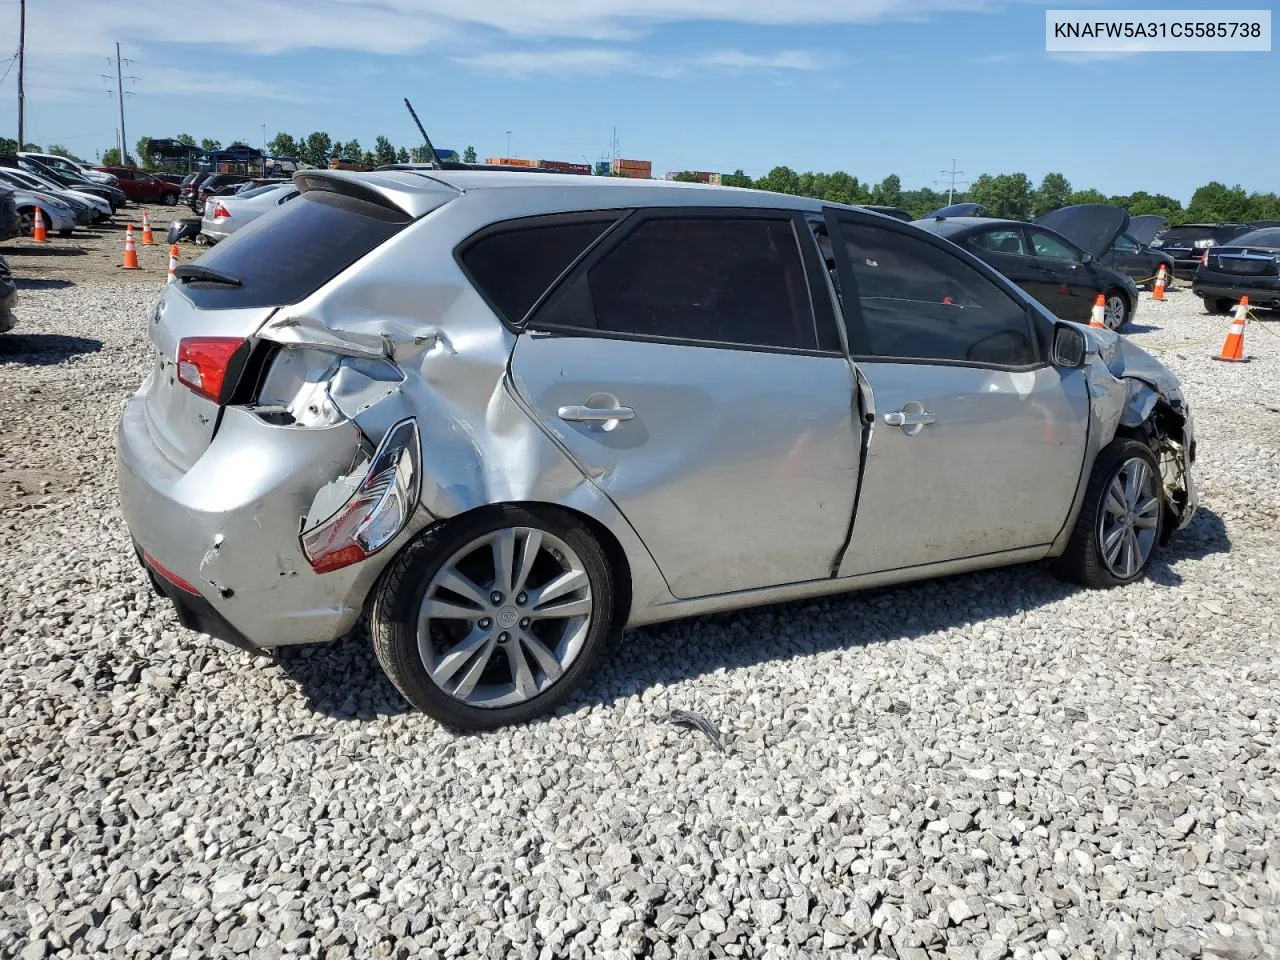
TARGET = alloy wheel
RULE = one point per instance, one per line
(505, 617)
(1129, 518)
(1115, 311)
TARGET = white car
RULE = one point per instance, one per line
(70, 166)
(21, 179)
(58, 217)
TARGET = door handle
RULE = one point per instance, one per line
(903, 418)
(578, 413)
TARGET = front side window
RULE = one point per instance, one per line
(1125, 244)
(920, 302)
(1049, 246)
(723, 280)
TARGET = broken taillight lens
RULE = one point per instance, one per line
(220, 212)
(204, 364)
(378, 509)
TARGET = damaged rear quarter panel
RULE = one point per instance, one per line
(410, 304)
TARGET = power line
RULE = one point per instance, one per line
(952, 174)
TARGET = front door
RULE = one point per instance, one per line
(976, 442)
(1065, 271)
(684, 370)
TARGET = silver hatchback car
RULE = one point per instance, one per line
(505, 415)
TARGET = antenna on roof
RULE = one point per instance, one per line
(435, 157)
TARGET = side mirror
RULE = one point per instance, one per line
(1069, 347)
(1085, 257)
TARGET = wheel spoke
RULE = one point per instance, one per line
(1132, 554)
(569, 608)
(565, 583)
(546, 659)
(504, 559)
(1146, 523)
(457, 582)
(532, 544)
(468, 681)
(445, 610)
(1133, 484)
(521, 675)
(458, 655)
(1147, 506)
(1111, 545)
(1115, 504)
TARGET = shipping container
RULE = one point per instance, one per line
(561, 166)
(511, 162)
(716, 179)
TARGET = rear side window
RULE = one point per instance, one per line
(292, 251)
(516, 265)
(920, 302)
(717, 280)
(1004, 240)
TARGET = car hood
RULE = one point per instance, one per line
(959, 210)
(1124, 358)
(1093, 227)
(1144, 229)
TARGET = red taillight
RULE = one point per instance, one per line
(203, 363)
(221, 213)
(164, 573)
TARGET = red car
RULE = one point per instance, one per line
(142, 187)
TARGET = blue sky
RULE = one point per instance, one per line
(870, 86)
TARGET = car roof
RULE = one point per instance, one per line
(578, 192)
(945, 226)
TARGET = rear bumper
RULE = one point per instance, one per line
(214, 230)
(1264, 292)
(229, 528)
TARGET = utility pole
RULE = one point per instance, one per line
(952, 181)
(22, 43)
(120, 93)
(508, 153)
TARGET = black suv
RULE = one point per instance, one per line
(217, 185)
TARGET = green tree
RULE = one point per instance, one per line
(469, 155)
(888, 192)
(58, 150)
(841, 187)
(736, 179)
(402, 155)
(143, 149)
(920, 203)
(350, 150)
(1264, 206)
(686, 176)
(111, 158)
(1214, 203)
(780, 180)
(32, 148)
(317, 149)
(1143, 204)
(8, 146)
(369, 159)
(1054, 192)
(1004, 195)
(1087, 196)
(383, 151)
(283, 145)
(186, 139)
(210, 145)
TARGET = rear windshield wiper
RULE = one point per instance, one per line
(195, 272)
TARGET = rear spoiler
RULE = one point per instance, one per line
(414, 201)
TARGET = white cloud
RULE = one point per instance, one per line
(603, 60)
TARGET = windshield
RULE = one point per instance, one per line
(1269, 238)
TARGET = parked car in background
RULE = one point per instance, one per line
(1248, 265)
(223, 216)
(217, 185)
(58, 217)
(141, 187)
(896, 212)
(1187, 242)
(94, 207)
(72, 167)
(8, 297)
(959, 210)
(174, 178)
(112, 194)
(190, 183)
(1059, 267)
(1131, 254)
(513, 414)
(257, 182)
(10, 224)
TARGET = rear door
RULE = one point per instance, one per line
(692, 368)
(976, 441)
(1008, 249)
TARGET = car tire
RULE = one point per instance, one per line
(1117, 309)
(170, 199)
(1217, 306)
(27, 221)
(1088, 559)
(557, 651)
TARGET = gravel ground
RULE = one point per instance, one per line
(987, 766)
(95, 253)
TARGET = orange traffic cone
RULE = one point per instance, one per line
(174, 253)
(1157, 292)
(38, 233)
(130, 249)
(1233, 346)
(147, 237)
(1099, 312)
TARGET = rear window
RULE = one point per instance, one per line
(1269, 238)
(514, 266)
(293, 251)
(1189, 233)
